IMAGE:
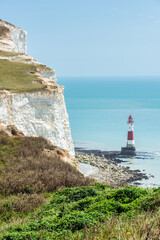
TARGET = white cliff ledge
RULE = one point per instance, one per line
(31, 101)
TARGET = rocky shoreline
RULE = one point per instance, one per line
(107, 169)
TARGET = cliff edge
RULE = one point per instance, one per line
(30, 97)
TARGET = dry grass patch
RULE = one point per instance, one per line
(141, 227)
(26, 173)
(39, 175)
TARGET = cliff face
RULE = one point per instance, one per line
(39, 112)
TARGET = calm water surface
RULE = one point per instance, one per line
(98, 109)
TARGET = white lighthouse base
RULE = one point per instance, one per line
(128, 151)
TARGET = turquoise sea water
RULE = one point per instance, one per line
(98, 110)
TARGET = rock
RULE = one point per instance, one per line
(111, 173)
(10, 130)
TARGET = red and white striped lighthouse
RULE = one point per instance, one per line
(130, 139)
(130, 149)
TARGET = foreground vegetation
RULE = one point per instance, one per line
(42, 197)
(94, 212)
(18, 77)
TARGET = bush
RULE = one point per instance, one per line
(20, 235)
(28, 170)
(76, 194)
(38, 175)
(75, 209)
(77, 220)
(128, 194)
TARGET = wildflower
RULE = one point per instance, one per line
(128, 233)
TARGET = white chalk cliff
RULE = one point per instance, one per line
(37, 113)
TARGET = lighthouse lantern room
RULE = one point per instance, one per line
(130, 148)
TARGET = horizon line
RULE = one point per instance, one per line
(107, 76)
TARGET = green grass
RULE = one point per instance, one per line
(93, 212)
(18, 77)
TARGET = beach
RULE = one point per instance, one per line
(105, 167)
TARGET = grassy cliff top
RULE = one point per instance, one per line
(18, 77)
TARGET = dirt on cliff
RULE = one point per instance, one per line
(3, 32)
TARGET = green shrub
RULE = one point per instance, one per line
(20, 236)
(128, 194)
(77, 220)
(75, 194)
(74, 209)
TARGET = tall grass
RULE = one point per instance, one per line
(26, 174)
(140, 227)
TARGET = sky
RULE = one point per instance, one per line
(90, 37)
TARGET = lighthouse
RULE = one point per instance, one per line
(130, 139)
(130, 149)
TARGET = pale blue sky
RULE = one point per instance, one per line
(90, 37)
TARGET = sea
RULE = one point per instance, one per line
(98, 109)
